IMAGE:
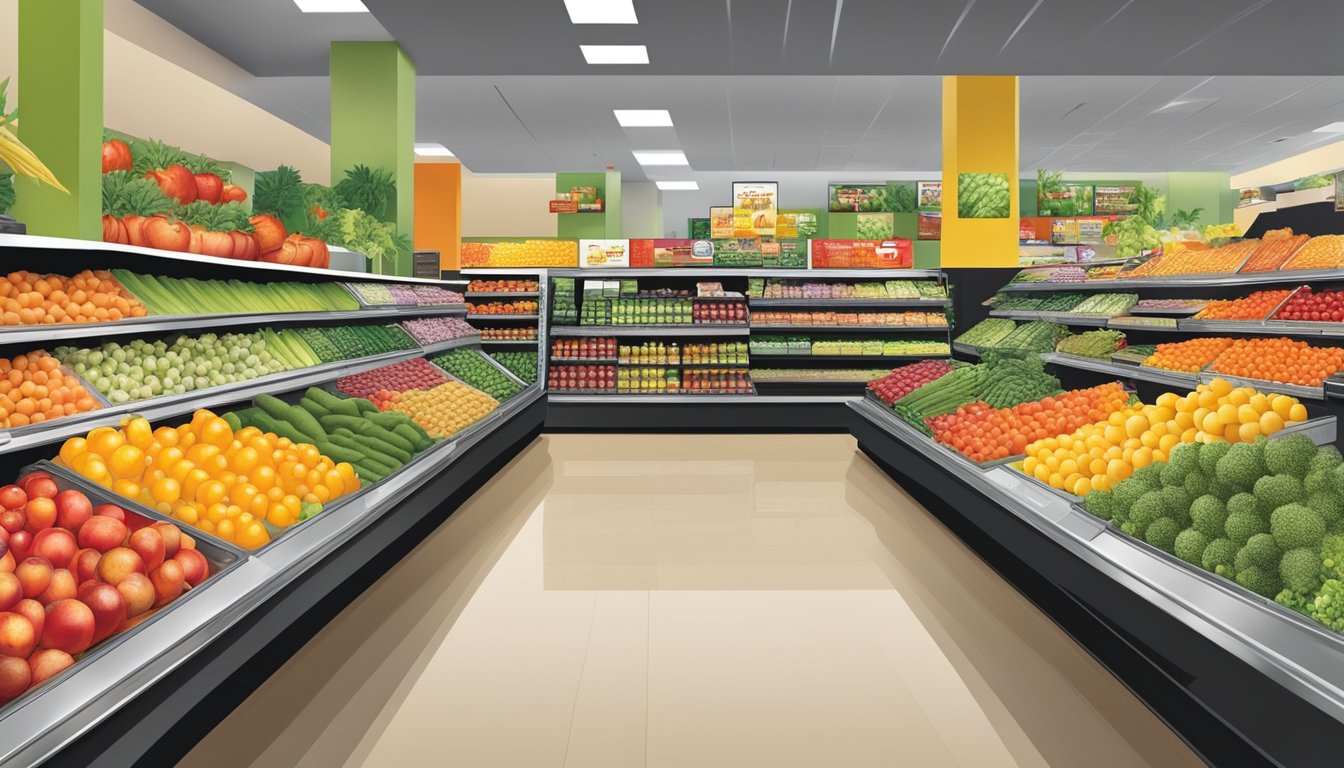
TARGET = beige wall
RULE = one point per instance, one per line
(145, 57)
(507, 205)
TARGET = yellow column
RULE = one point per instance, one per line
(980, 135)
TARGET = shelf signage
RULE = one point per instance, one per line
(1115, 200)
(930, 226)
(564, 206)
(755, 207)
(604, 254)
(929, 196)
(895, 253)
(721, 221)
(857, 198)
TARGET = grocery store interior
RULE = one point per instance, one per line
(634, 383)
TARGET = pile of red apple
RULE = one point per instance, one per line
(561, 378)
(584, 349)
(72, 575)
(1316, 307)
(719, 312)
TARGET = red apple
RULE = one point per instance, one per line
(72, 510)
(39, 487)
(102, 533)
(149, 545)
(57, 545)
(15, 678)
(139, 594)
(17, 637)
(41, 513)
(117, 563)
(34, 612)
(7, 562)
(172, 537)
(20, 544)
(48, 663)
(168, 580)
(108, 606)
(85, 564)
(13, 520)
(69, 626)
(62, 587)
(11, 591)
(12, 497)
(35, 575)
(194, 565)
(110, 510)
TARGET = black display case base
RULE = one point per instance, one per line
(701, 414)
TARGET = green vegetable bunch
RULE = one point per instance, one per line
(6, 192)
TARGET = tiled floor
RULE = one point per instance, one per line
(692, 601)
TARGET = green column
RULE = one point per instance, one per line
(373, 122)
(61, 117)
(596, 226)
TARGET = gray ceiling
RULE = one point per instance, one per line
(502, 83)
(795, 37)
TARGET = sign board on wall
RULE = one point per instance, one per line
(929, 196)
(755, 205)
(786, 224)
(697, 229)
(1070, 200)
(1115, 200)
(604, 254)
(565, 205)
(721, 221)
(896, 253)
(682, 253)
(857, 198)
(930, 226)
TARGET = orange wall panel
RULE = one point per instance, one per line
(438, 210)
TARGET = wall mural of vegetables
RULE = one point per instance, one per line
(16, 158)
(983, 196)
(1136, 234)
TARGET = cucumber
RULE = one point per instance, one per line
(383, 449)
(420, 443)
(274, 406)
(313, 407)
(362, 426)
(346, 407)
(233, 421)
(365, 406)
(322, 397)
(367, 458)
(305, 421)
(339, 453)
(388, 419)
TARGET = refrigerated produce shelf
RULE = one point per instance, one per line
(1063, 318)
(881, 302)
(698, 329)
(1120, 370)
(847, 358)
(1185, 281)
(480, 295)
(471, 317)
(852, 328)
(460, 341)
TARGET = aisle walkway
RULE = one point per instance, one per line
(692, 601)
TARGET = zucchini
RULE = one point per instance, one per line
(339, 453)
(346, 407)
(420, 443)
(322, 397)
(367, 456)
(313, 407)
(233, 421)
(362, 426)
(365, 406)
(383, 449)
(305, 421)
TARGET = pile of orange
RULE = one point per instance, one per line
(529, 253)
(1274, 252)
(207, 476)
(1283, 360)
(27, 298)
(503, 308)
(1257, 306)
(981, 433)
(1188, 356)
(34, 388)
(1323, 252)
(1228, 258)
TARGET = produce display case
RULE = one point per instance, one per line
(223, 624)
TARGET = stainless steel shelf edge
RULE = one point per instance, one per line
(479, 295)
(888, 302)
(1123, 371)
(703, 329)
(852, 328)
(471, 317)
(443, 346)
(1307, 660)
(258, 268)
(861, 274)
(1301, 392)
(58, 715)
(683, 399)
(1192, 281)
(511, 342)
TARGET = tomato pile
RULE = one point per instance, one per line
(502, 286)
(1322, 307)
(417, 373)
(906, 379)
(1280, 359)
(982, 433)
(503, 308)
(1189, 356)
(1257, 306)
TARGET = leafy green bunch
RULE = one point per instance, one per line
(128, 194)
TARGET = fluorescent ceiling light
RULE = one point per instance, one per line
(643, 118)
(661, 157)
(676, 186)
(1337, 127)
(331, 6)
(615, 54)
(601, 11)
(432, 149)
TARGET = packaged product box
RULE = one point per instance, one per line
(679, 253)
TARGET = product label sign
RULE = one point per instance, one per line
(721, 221)
(564, 206)
(604, 254)
(755, 205)
(857, 198)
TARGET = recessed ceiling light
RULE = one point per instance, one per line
(601, 11)
(676, 186)
(432, 149)
(643, 118)
(331, 6)
(661, 157)
(1337, 127)
(615, 54)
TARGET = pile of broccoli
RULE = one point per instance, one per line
(1268, 515)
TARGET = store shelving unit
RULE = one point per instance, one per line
(198, 656)
(1195, 647)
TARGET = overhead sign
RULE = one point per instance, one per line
(755, 206)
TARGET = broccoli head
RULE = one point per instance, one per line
(1296, 525)
(1332, 557)
(1100, 503)
(1219, 557)
(1338, 475)
(1189, 545)
(1150, 475)
(1177, 502)
(1300, 569)
(1241, 466)
(1125, 495)
(1318, 481)
(1326, 459)
(1260, 550)
(1301, 602)
(1273, 491)
(1183, 459)
(1220, 489)
(1245, 502)
(1208, 515)
(1209, 455)
(1162, 534)
(1146, 511)
(1329, 506)
(1328, 607)
(1290, 455)
(1241, 525)
(1260, 581)
(1196, 484)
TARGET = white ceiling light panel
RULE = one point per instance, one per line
(643, 118)
(661, 157)
(678, 186)
(601, 11)
(1337, 127)
(615, 54)
(331, 6)
(432, 149)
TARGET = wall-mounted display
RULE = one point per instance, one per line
(876, 226)
(755, 205)
(894, 253)
(1114, 200)
(930, 226)
(721, 221)
(588, 198)
(786, 224)
(807, 224)
(868, 197)
(929, 196)
(983, 196)
(682, 253)
(1067, 200)
(604, 254)
(697, 229)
